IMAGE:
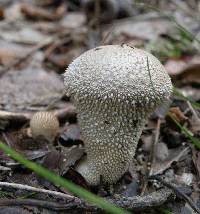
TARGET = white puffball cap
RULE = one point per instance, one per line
(120, 72)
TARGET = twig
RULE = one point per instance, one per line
(97, 15)
(66, 112)
(14, 116)
(157, 134)
(152, 155)
(34, 189)
(193, 111)
(6, 139)
(178, 192)
(35, 203)
(3, 168)
(154, 199)
(105, 38)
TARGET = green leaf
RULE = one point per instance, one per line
(162, 210)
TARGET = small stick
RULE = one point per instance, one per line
(68, 111)
(97, 14)
(14, 116)
(193, 111)
(6, 139)
(178, 192)
(135, 203)
(154, 146)
(152, 155)
(3, 168)
(34, 189)
(108, 34)
(34, 203)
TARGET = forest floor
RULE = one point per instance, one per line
(38, 40)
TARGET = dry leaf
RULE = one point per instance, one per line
(40, 13)
(180, 117)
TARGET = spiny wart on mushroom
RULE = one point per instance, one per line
(114, 89)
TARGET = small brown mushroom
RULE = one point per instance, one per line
(44, 125)
(114, 89)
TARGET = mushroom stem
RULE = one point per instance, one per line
(117, 140)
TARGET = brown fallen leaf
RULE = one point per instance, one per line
(190, 75)
(22, 142)
(2, 15)
(185, 70)
(63, 60)
(180, 117)
(175, 66)
(9, 52)
(34, 12)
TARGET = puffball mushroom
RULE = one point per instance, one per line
(44, 125)
(114, 88)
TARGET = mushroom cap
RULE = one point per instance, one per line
(44, 125)
(120, 73)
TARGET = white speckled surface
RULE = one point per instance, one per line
(114, 89)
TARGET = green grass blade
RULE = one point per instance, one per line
(79, 191)
(194, 140)
(162, 210)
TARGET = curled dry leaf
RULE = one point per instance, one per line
(40, 13)
(9, 52)
(180, 117)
